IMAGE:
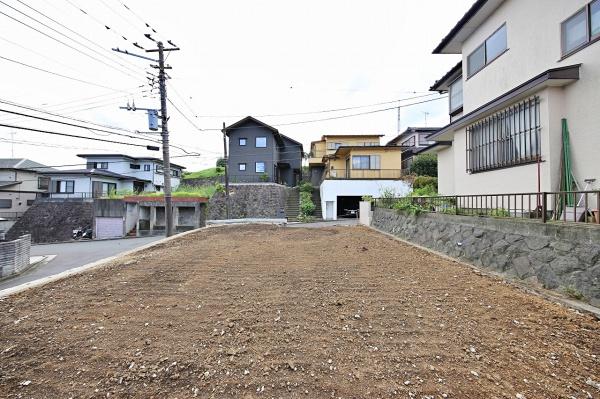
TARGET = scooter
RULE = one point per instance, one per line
(82, 233)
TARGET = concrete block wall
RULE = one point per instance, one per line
(14, 256)
(557, 256)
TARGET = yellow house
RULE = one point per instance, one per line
(348, 167)
(353, 157)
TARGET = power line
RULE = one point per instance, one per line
(72, 124)
(182, 114)
(320, 111)
(71, 135)
(344, 116)
(141, 20)
(60, 41)
(61, 75)
(76, 33)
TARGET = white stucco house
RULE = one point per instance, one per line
(21, 182)
(525, 66)
(111, 172)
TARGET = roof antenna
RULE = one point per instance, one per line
(133, 105)
(128, 106)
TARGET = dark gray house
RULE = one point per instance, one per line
(259, 153)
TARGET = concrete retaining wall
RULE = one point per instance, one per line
(14, 256)
(556, 256)
(266, 200)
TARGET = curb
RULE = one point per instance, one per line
(548, 295)
(90, 266)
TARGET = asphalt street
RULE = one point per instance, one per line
(74, 254)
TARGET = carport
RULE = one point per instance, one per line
(347, 205)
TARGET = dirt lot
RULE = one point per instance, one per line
(244, 312)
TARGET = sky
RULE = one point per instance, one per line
(262, 58)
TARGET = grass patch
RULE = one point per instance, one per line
(182, 191)
(205, 174)
(573, 293)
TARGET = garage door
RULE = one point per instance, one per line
(109, 227)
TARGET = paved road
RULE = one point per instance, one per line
(74, 254)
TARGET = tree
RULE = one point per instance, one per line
(424, 165)
(221, 163)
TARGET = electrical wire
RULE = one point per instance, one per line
(70, 135)
(62, 42)
(77, 33)
(343, 116)
(61, 75)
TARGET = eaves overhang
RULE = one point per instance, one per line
(553, 77)
(473, 18)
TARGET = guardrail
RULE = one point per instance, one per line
(561, 206)
(363, 174)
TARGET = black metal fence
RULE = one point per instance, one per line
(562, 206)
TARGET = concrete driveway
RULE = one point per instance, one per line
(74, 254)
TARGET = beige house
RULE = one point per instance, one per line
(347, 167)
(21, 181)
(525, 66)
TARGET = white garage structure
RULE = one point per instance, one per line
(331, 189)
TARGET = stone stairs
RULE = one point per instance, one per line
(316, 198)
(292, 204)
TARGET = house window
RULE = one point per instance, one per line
(488, 51)
(30, 202)
(261, 142)
(333, 146)
(456, 94)
(108, 188)
(65, 186)
(43, 183)
(259, 167)
(147, 168)
(175, 173)
(581, 28)
(507, 138)
(5, 203)
(243, 141)
(366, 162)
(97, 165)
(134, 166)
(242, 167)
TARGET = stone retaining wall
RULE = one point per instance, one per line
(250, 200)
(14, 256)
(563, 257)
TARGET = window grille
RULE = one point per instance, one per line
(507, 138)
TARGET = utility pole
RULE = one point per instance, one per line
(227, 208)
(165, 131)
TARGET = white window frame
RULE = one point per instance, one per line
(245, 141)
(242, 166)
(264, 167)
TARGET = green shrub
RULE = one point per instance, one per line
(306, 187)
(573, 292)
(424, 165)
(407, 206)
(427, 191)
(424, 181)
(221, 163)
(219, 188)
(304, 196)
(500, 212)
(264, 177)
(307, 208)
(367, 198)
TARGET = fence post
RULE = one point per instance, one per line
(456, 205)
(544, 206)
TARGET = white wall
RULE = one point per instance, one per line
(83, 184)
(331, 189)
(123, 166)
(534, 46)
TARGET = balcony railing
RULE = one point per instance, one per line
(11, 215)
(560, 206)
(363, 174)
(78, 195)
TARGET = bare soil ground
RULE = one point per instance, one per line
(257, 311)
